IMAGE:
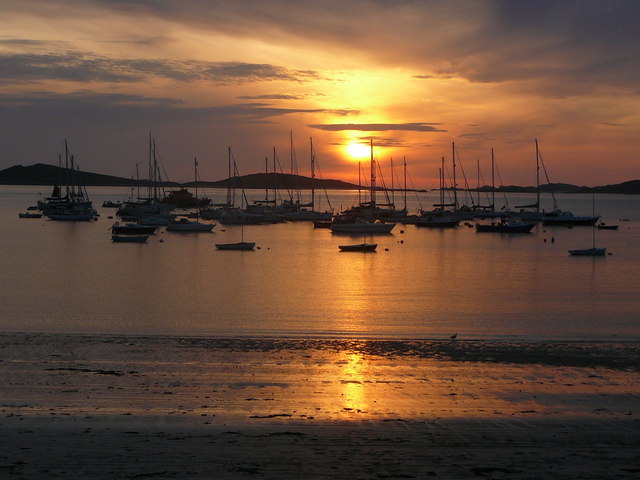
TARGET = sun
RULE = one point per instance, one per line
(357, 151)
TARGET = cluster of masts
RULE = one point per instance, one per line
(71, 202)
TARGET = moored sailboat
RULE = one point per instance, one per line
(241, 245)
(75, 205)
(506, 226)
(185, 225)
(593, 251)
(359, 247)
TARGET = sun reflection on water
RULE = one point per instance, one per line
(353, 380)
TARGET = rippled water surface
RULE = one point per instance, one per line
(421, 283)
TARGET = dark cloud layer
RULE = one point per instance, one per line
(83, 67)
(590, 43)
(380, 127)
(515, 68)
(99, 105)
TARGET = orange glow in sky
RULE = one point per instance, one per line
(202, 78)
(358, 151)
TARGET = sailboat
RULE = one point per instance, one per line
(359, 247)
(303, 213)
(531, 212)
(186, 225)
(148, 209)
(241, 245)
(363, 218)
(75, 205)
(593, 251)
(439, 217)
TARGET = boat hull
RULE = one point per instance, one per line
(360, 247)
(570, 221)
(524, 227)
(589, 252)
(194, 227)
(435, 222)
(71, 217)
(236, 246)
(362, 228)
(133, 229)
(129, 238)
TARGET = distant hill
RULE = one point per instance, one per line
(277, 180)
(629, 188)
(42, 174)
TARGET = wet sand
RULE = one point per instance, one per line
(159, 407)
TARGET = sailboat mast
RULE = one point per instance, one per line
(441, 180)
(359, 184)
(593, 214)
(155, 172)
(313, 175)
(373, 179)
(537, 177)
(404, 161)
(478, 175)
(266, 186)
(393, 190)
(195, 176)
(275, 192)
(493, 182)
(455, 186)
(229, 176)
(150, 161)
(440, 185)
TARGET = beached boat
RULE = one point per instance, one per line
(506, 226)
(29, 215)
(133, 229)
(359, 247)
(129, 238)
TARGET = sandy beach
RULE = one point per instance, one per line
(160, 407)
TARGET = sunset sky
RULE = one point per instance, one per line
(415, 76)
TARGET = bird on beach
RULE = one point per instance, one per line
(454, 336)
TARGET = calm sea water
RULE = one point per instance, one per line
(422, 283)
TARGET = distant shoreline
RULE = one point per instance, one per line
(50, 175)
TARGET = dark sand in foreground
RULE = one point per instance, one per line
(157, 407)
